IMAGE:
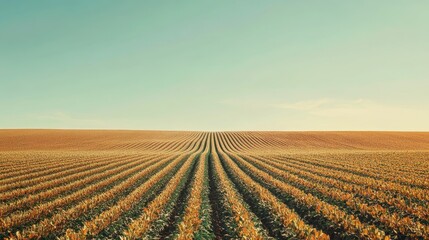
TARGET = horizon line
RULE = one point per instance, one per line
(182, 130)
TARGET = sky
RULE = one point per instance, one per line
(215, 65)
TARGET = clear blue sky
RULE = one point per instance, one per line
(215, 65)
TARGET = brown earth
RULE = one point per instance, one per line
(11, 140)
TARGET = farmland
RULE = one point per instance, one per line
(86, 184)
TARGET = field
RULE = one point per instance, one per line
(77, 184)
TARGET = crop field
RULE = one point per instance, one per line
(94, 184)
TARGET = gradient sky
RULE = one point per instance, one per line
(215, 65)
